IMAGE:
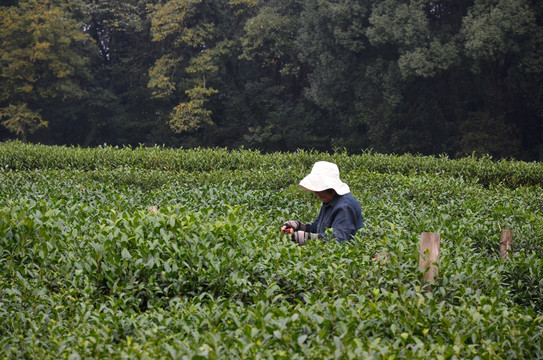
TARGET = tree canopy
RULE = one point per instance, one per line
(430, 77)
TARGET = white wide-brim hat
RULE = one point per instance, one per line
(323, 176)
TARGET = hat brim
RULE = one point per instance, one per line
(321, 183)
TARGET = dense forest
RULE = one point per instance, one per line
(396, 76)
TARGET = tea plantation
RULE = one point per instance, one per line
(88, 271)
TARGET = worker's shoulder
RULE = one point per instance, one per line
(347, 200)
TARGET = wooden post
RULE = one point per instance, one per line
(506, 243)
(429, 254)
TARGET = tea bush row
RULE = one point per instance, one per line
(484, 170)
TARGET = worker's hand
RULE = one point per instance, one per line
(291, 226)
(301, 237)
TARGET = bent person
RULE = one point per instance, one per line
(339, 211)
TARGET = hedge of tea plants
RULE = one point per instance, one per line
(87, 270)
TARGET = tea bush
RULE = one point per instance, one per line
(88, 271)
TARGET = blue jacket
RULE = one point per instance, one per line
(343, 214)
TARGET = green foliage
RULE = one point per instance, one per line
(42, 61)
(494, 28)
(161, 77)
(189, 28)
(397, 22)
(478, 139)
(426, 77)
(179, 17)
(117, 16)
(88, 271)
(192, 114)
(484, 170)
(21, 120)
(269, 36)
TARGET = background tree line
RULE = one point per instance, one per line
(429, 77)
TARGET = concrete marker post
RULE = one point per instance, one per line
(429, 254)
(506, 243)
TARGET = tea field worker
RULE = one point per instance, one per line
(339, 211)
